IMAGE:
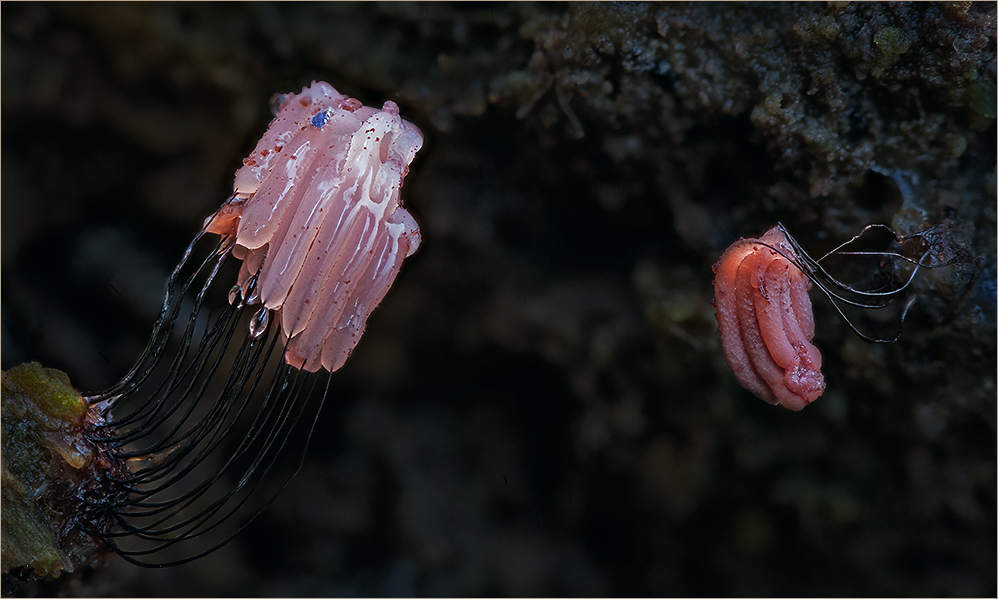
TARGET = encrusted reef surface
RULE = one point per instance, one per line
(540, 405)
(48, 471)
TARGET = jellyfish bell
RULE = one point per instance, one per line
(271, 296)
(316, 216)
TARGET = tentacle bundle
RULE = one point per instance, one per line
(198, 426)
(318, 222)
(765, 321)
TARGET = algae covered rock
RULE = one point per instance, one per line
(47, 462)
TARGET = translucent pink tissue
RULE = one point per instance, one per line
(317, 215)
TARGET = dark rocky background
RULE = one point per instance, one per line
(540, 406)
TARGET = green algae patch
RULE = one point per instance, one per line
(982, 98)
(53, 400)
(45, 460)
(892, 43)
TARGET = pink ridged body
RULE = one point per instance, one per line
(765, 321)
(317, 215)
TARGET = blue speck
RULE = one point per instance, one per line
(321, 118)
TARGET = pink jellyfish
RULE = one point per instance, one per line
(317, 222)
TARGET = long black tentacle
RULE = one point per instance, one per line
(195, 437)
(839, 293)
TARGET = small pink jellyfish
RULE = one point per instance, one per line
(317, 220)
(765, 321)
(764, 315)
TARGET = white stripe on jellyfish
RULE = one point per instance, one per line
(318, 220)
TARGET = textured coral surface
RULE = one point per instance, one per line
(540, 405)
(47, 463)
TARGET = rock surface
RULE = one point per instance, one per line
(540, 405)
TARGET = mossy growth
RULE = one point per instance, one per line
(892, 43)
(46, 460)
(982, 98)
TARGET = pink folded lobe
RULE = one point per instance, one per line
(386, 256)
(769, 307)
(313, 206)
(728, 305)
(765, 322)
(750, 327)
